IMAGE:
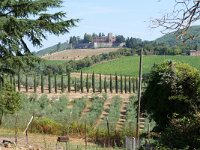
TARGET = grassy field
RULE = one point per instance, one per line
(129, 65)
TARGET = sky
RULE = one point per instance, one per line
(130, 18)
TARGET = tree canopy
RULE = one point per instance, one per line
(172, 91)
(25, 20)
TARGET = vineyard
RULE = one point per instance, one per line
(105, 109)
(99, 118)
(129, 65)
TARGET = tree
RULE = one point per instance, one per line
(25, 19)
(10, 101)
(120, 39)
(58, 46)
(182, 133)
(87, 38)
(185, 13)
(173, 89)
(94, 35)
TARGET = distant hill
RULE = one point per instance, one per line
(52, 49)
(77, 54)
(171, 40)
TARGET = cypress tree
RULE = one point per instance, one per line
(116, 83)
(49, 83)
(69, 82)
(55, 83)
(121, 84)
(19, 80)
(87, 84)
(111, 84)
(93, 82)
(26, 83)
(105, 85)
(100, 86)
(62, 84)
(35, 86)
(42, 84)
(81, 81)
(129, 84)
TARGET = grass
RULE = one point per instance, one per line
(129, 65)
(55, 62)
(46, 141)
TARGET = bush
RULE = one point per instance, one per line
(182, 133)
(46, 126)
(172, 88)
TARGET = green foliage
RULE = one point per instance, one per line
(131, 114)
(95, 110)
(10, 100)
(17, 23)
(114, 113)
(93, 82)
(87, 38)
(182, 133)
(46, 126)
(120, 39)
(173, 88)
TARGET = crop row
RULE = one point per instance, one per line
(67, 83)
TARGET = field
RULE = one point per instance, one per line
(77, 54)
(129, 65)
(78, 118)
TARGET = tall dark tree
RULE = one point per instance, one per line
(120, 39)
(87, 38)
(25, 19)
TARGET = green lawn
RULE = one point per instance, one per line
(129, 65)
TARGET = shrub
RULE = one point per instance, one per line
(182, 133)
(47, 126)
(172, 88)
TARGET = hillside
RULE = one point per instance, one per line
(52, 49)
(129, 65)
(171, 40)
(77, 54)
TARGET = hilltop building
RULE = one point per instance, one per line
(99, 42)
(104, 39)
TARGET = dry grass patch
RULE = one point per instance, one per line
(77, 54)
